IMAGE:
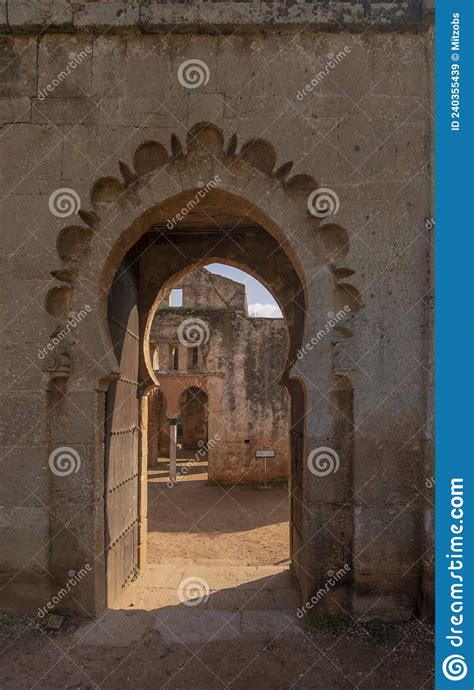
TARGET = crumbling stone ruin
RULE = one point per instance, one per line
(220, 369)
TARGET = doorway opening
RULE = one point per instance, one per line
(221, 423)
(226, 511)
(193, 407)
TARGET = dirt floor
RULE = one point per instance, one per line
(193, 521)
(236, 626)
(339, 657)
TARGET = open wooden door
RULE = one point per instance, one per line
(297, 517)
(122, 437)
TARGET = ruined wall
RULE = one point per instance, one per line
(241, 361)
(205, 290)
(365, 131)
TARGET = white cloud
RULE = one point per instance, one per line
(269, 310)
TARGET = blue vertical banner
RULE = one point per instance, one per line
(454, 89)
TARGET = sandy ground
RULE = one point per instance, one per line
(236, 540)
(351, 657)
(193, 521)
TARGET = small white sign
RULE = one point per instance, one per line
(264, 453)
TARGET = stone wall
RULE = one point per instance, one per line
(209, 291)
(364, 131)
(221, 16)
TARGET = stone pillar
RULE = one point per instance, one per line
(153, 428)
(164, 356)
(173, 435)
(183, 355)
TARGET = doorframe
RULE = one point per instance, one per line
(272, 200)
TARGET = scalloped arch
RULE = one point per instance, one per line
(72, 242)
(252, 181)
(149, 156)
(58, 301)
(207, 137)
(260, 154)
(106, 191)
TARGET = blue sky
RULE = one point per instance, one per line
(260, 301)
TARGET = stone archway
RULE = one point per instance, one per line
(193, 409)
(230, 352)
(162, 184)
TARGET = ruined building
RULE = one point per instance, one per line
(220, 371)
(143, 140)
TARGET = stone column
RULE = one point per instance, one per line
(153, 428)
(164, 356)
(173, 435)
(183, 354)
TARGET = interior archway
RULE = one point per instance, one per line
(163, 257)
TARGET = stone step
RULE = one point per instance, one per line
(185, 626)
(232, 599)
(228, 587)
(166, 575)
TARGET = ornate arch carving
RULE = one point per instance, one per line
(158, 182)
(161, 180)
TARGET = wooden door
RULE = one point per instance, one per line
(122, 437)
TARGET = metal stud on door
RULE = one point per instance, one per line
(121, 437)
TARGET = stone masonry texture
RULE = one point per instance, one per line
(97, 109)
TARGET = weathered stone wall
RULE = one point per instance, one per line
(156, 16)
(240, 362)
(205, 290)
(365, 132)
